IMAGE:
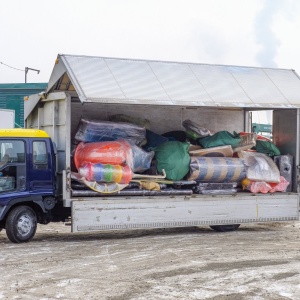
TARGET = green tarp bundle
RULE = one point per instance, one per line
(267, 148)
(174, 158)
(220, 138)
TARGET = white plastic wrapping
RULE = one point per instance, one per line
(260, 167)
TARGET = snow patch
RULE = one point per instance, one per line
(66, 282)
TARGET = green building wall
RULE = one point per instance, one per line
(12, 97)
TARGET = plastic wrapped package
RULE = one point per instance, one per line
(285, 166)
(114, 152)
(217, 169)
(260, 167)
(101, 131)
(141, 158)
(256, 186)
(281, 186)
(265, 187)
(193, 127)
(106, 173)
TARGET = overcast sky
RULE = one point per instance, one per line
(262, 33)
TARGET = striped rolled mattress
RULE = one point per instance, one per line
(217, 169)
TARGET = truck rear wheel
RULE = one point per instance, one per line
(21, 224)
(224, 228)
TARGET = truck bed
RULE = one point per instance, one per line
(181, 211)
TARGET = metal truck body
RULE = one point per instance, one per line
(115, 212)
(165, 93)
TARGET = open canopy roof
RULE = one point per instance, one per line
(115, 80)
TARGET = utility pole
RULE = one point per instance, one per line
(26, 71)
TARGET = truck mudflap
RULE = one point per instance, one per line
(181, 211)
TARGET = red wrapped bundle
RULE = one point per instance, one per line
(112, 152)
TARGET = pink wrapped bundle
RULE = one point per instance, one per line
(265, 187)
(279, 187)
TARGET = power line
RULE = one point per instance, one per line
(25, 70)
(11, 67)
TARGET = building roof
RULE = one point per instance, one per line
(23, 86)
(117, 80)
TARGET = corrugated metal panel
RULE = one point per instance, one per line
(23, 86)
(220, 85)
(258, 86)
(112, 80)
(12, 97)
(2, 101)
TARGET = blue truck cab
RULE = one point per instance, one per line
(27, 181)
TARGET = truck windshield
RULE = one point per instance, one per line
(12, 152)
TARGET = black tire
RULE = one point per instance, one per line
(21, 224)
(225, 228)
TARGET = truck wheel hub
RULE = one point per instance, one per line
(24, 225)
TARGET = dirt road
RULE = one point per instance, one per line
(255, 262)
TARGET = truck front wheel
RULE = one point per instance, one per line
(224, 228)
(21, 224)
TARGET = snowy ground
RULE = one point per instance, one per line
(260, 261)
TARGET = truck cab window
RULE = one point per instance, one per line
(39, 153)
